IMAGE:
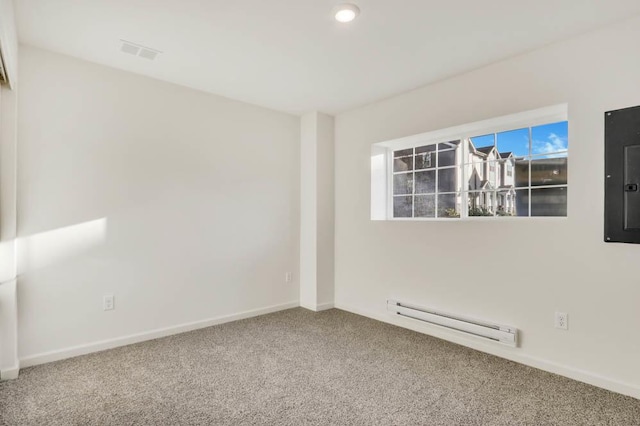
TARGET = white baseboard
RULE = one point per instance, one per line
(324, 306)
(102, 345)
(319, 307)
(511, 354)
(10, 373)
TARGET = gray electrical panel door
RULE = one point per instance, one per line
(622, 176)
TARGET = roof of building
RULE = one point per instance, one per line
(480, 185)
(485, 149)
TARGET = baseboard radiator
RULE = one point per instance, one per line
(494, 332)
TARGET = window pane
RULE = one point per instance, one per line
(446, 158)
(548, 171)
(481, 203)
(425, 160)
(469, 158)
(492, 175)
(425, 206)
(426, 182)
(426, 148)
(514, 141)
(506, 202)
(522, 202)
(449, 205)
(403, 183)
(550, 138)
(483, 141)
(447, 180)
(403, 164)
(403, 153)
(402, 206)
(448, 145)
(475, 175)
(507, 173)
(549, 202)
(522, 173)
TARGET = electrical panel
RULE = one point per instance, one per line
(622, 176)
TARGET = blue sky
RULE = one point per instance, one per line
(547, 139)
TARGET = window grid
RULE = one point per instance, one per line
(462, 189)
(435, 169)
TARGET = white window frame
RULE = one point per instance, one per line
(382, 159)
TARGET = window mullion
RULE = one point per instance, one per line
(437, 151)
(530, 149)
(464, 189)
(390, 184)
(413, 186)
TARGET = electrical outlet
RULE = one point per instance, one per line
(562, 320)
(108, 302)
(287, 277)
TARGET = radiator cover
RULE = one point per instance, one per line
(503, 334)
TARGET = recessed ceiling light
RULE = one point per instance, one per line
(346, 12)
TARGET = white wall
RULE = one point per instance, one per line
(9, 41)
(8, 148)
(9, 364)
(182, 204)
(316, 211)
(326, 210)
(554, 264)
(308, 210)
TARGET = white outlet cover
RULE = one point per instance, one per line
(562, 320)
(108, 302)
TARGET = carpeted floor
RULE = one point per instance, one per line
(297, 368)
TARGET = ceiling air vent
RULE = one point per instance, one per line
(139, 50)
(148, 54)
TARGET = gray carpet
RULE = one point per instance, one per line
(302, 368)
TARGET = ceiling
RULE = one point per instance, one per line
(290, 55)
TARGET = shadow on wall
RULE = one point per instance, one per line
(51, 247)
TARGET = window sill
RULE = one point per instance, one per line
(474, 219)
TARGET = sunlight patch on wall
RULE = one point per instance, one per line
(51, 247)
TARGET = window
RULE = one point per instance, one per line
(425, 177)
(514, 166)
